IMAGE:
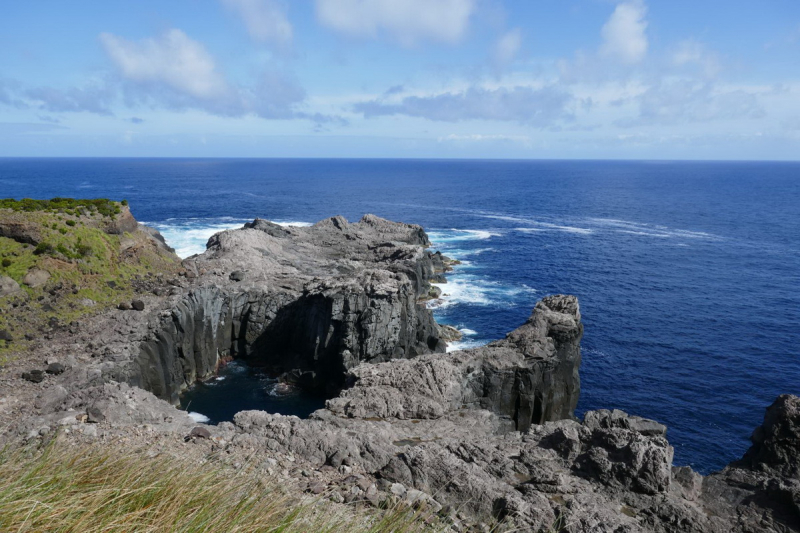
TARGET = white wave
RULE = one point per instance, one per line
(645, 233)
(468, 332)
(538, 225)
(464, 345)
(460, 290)
(199, 418)
(293, 224)
(456, 235)
(531, 230)
(469, 289)
(189, 237)
(651, 230)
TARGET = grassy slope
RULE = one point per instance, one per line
(81, 258)
(74, 489)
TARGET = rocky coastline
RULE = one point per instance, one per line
(477, 436)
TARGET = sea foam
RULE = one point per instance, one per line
(190, 236)
(199, 418)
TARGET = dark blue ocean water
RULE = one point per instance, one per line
(688, 273)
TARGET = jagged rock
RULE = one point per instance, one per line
(5, 335)
(528, 378)
(122, 223)
(8, 287)
(237, 275)
(776, 443)
(449, 333)
(319, 300)
(36, 278)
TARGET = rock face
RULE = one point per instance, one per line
(313, 303)
(528, 378)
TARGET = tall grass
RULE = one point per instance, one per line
(77, 489)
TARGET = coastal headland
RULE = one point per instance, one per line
(103, 327)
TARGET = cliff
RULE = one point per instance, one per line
(307, 303)
(473, 436)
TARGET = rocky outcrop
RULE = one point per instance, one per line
(528, 378)
(476, 435)
(312, 303)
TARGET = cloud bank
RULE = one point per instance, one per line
(408, 21)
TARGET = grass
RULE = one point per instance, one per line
(66, 488)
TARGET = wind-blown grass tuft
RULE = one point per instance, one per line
(71, 489)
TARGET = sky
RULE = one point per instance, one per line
(497, 79)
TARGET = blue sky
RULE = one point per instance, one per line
(632, 79)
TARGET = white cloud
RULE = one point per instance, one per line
(507, 47)
(407, 21)
(478, 137)
(690, 52)
(265, 20)
(624, 34)
(173, 59)
(530, 106)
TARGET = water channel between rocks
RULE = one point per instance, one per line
(241, 387)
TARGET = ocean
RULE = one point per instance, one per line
(688, 273)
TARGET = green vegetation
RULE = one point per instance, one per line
(70, 206)
(72, 244)
(68, 488)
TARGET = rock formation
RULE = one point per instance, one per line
(475, 435)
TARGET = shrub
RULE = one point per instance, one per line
(6, 262)
(71, 223)
(103, 206)
(63, 250)
(43, 248)
(84, 250)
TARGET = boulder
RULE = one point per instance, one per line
(137, 305)
(36, 278)
(34, 376)
(95, 415)
(55, 368)
(8, 287)
(199, 432)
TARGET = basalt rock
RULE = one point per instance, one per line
(314, 303)
(528, 378)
